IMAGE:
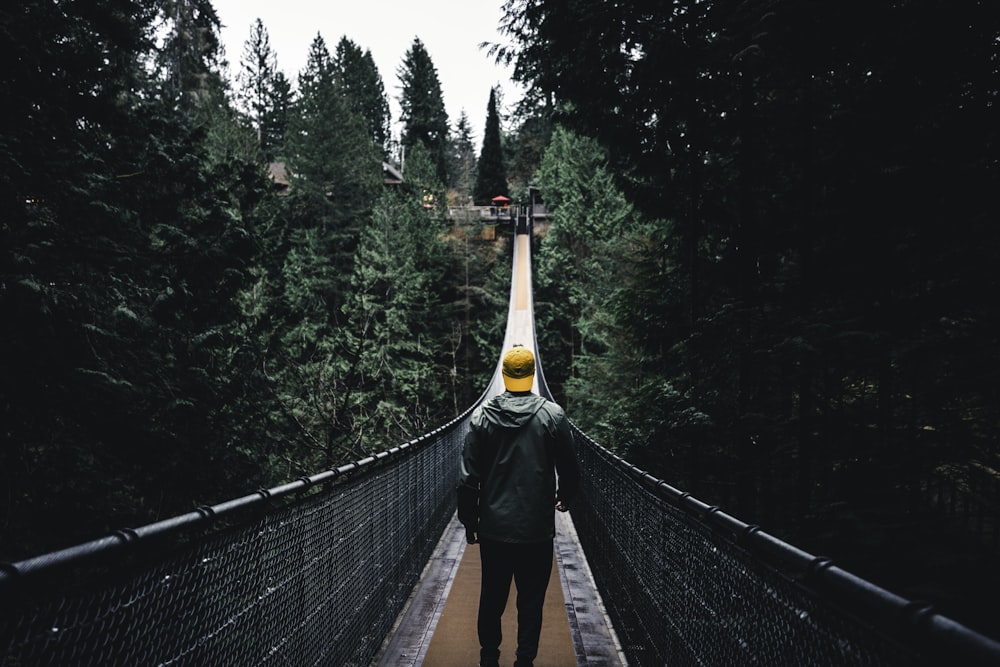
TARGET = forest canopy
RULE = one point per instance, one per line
(207, 285)
(772, 249)
(771, 232)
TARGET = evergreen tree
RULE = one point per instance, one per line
(332, 154)
(422, 107)
(576, 272)
(260, 89)
(491, 174)
(314, 113)
(307, 276)
(528, 144)
(57, 246)
(463, 160)
(190, 53)
(207, 249)
(362, 85)
(400, 319)
(790, 297)
(332, 146)
(121, 259)
(274, 129)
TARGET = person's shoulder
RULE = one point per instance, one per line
(478, 416)
(553, 409)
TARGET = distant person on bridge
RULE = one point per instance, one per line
(507, 497)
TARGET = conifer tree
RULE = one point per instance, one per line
(491, 174)
(399, 319)
(313, 114)
(256, 87)
(332, 144)
(422, 107)
(336, 178)
(463, 160)
(528, 144)
(362, 85)
(576, 271)
(191, 50)
(787, 229)
(122, 255)
(274, 129)
(332, 152)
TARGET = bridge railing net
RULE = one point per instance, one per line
(694, 586)
(319, 581)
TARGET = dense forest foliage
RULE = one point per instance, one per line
(206, 285)
(770, 272)
(767, 277)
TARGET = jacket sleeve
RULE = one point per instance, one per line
(567, 465)
(469, 482)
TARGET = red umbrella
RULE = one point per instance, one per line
(500, 198)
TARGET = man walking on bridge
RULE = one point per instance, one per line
(516, 443)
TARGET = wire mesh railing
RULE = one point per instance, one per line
(687, 584)
(314, 572)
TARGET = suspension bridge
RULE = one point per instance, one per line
(366, 565)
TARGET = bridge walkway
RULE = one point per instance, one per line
(438, 626)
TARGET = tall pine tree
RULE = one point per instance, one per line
(491, 174)
(463, 160)
(400, 314)
(362, 85)
(422, 107)
(262, 91)
(337, 173)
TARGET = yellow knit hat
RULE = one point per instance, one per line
(518, 369)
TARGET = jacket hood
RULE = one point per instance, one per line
(511, 410)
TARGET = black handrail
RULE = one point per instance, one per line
(907, 621)
(130, 539)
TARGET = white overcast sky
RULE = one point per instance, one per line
(450, 31)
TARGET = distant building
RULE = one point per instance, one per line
(391, 175)
(280, 175)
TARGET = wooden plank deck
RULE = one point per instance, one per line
(438, 626)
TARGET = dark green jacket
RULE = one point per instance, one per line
(515, 445)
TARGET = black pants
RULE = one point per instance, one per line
(530, 566)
